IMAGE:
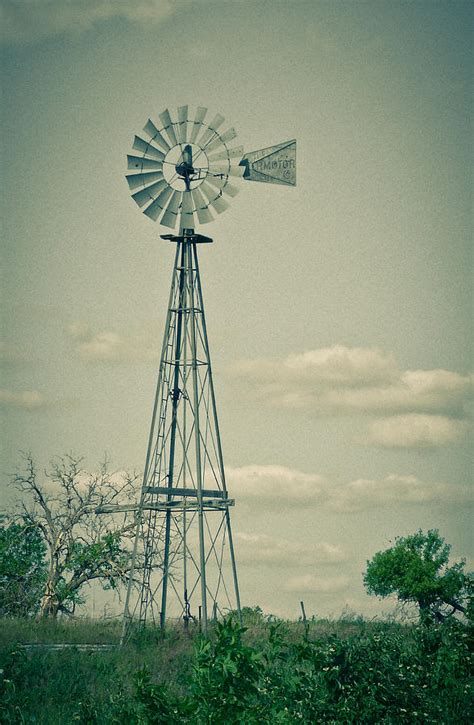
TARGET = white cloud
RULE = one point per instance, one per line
(26, 21)
(363, 494)
(307, 583)
(278, 486)
(25, 400)
(313, 371)
(263, 549)
(108, 346)
(415, 431)
(342, 381)
(274, 484)
(365, 381)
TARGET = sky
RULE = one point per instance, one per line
(339, 311)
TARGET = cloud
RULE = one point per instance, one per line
(263, 549)
(25, 400)
(108, 346)
(415, 431)
(25, 21)
(278, 486)
(363, 494)
(342, 381)
(274, 484)
(320, 584)
(321, 369)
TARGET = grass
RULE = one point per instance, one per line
(271, 672)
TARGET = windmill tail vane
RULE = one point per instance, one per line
(183, 563)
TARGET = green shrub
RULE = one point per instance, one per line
(273, 674)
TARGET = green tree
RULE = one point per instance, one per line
(416, 569)
(23, 570)
(81, 546)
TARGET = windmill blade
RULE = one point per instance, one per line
(187, 208)
(236, 152)
(201, 205)
(143, 196)
(217, 181)
(225, 138)
(222, 168)
(210, 131)
(223, 185)
(168, 126)
(139, 163)
(136, 180)
(182, 123)
(219, 204)
(156, 136)
(156, 207)
(231, 190)
(197, 123)
(146, 148)
(215, 200)
(170, 217)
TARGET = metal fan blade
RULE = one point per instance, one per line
(223, 168)
(170, 217)
(227, 136)
(215, 199)
(202, 210)
(226, 187)
(217, 181)
(197, 123)
(219, 204)
(156, 136)
(143, 196)
(236, 152)
(187, 208)
(223, 185)
(182, 123)
(146, 148)
(168, 126)
(210, 131)
(136, 180)
(139, 163)
(156, 207)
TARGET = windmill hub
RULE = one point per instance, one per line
(185, 167)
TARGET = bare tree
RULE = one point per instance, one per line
(82, 546)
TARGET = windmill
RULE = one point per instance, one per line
(183, 561)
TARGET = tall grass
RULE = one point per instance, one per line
(269, 672)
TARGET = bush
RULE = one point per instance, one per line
(362, 673)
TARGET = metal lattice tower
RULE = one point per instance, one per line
(184, 521)
(183, 561)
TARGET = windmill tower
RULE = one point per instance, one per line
(183, 562)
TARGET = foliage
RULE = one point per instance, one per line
(226, 676)
(22, 568)
(81, 545)
(363, 673)
(416, 570)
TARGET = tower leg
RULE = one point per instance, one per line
(218, 441)
(174, 418)
(197, 433)
(127, 614)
